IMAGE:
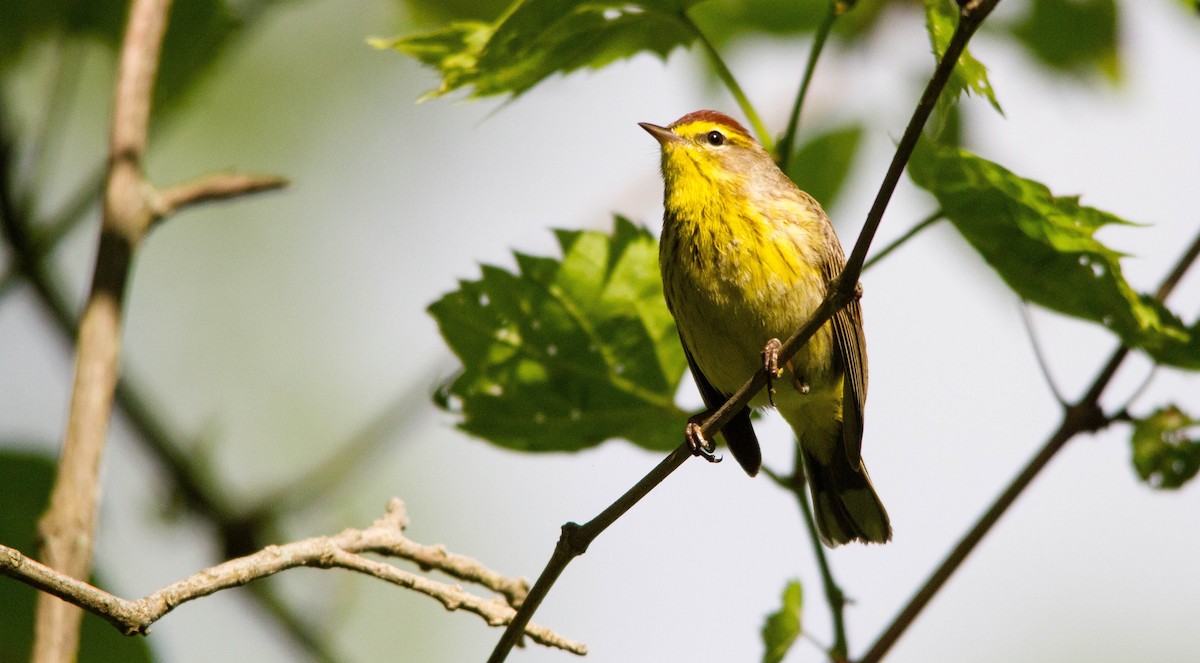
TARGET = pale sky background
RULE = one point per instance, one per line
(271, 330)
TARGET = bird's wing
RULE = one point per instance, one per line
(739, 433)
(851, 347)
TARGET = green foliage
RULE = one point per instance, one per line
(970, 76)
(1072, 35)
(27, 480)
(821, 165)
(1163, 454)
(782, 627)
(444, 11)
(723, 20)
(536, 39)
(198, 32)
(564, 354)
(1044, 247)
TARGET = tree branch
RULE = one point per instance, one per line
(344, 550)
(575, 538)
(218, 186)
(1082, 417)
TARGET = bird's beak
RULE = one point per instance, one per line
(662, 134)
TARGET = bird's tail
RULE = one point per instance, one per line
(845, 503)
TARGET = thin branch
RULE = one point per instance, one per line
(67, 527)
(903, 239)
(730, 81)
(1037, 352)
(218, 186)
(344, 550)
(784, 148)
(575, 538)
(834, 597)
(1083, 417)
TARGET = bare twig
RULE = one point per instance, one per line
(1038, 354)
(576, 538)
(1082, 417)
(344, 550)
(218, 186)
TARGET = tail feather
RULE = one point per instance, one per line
(845, 503)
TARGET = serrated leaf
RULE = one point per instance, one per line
(821, 165)
(1072, 35)
(1044, 247)
(566, 353)
(1163, 454)
(782, 627)
(970, 76)
(536, 39)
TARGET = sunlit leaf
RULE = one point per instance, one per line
(782, 627)
(1072, 35)
(1044, 247)
(536, 39)
(563, 354)
(821, 165)
(970, 76)
(1163, 453)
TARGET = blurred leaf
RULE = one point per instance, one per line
(536, 39)
(783, 626)
(1163, 455)
(821, 165)
(198, 32)
(565, 354)
(724, 20)
(1043, 247)
(970, 76)
(1072, 35)
(27, 480)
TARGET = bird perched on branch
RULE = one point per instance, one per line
(746, 258)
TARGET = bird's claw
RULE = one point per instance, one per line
(699, 444)
(770, 356)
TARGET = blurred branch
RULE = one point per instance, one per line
(833, 592)
(1023, 306)
(1085, 416)
(66, 529)
(344, 550)
(901, 240)
(783, 152)
(219, 186)
(575, 538)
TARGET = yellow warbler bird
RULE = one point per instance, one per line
(746, 258)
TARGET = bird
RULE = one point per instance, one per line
(746, 258)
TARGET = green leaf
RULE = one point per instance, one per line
(564, 354)
(970, 76)
(198, 32)
(1044, 247)
(821, 165)
(783, 626)
(536, 39)
(1072, 36)
(27, 480)
(1163, 454)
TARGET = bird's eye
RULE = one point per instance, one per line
(715, 138)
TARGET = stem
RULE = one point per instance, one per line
(1084, 416)
(726, 76)
(784, 154)
(574, 541)
(67, 527)
(901, 240)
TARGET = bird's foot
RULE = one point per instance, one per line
(698, 442)
(770, 357)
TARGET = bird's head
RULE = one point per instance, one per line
(707, 146)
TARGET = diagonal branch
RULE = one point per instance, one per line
(575, 538)
(1083, 417)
